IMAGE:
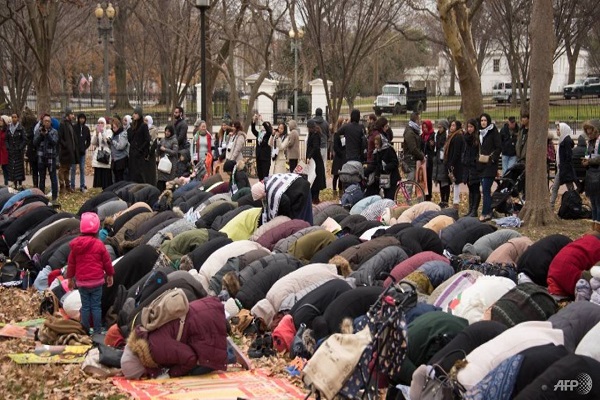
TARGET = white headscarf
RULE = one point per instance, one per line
(126, 122)
(101, 120)
(565, 130)
(150, 121)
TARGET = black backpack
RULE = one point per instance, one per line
(572, 207)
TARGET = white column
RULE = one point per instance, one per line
(318, 97)
(264, 104)
(198, 99)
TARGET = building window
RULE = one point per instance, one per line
(496, 65)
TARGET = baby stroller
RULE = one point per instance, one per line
(508, 196)
(352, 175)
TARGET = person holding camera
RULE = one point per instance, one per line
(236, 142)
(45, 140)
(263, 147)
(279, 144)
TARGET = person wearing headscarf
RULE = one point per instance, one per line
(487, 163)
(169, 148)
(153, 131)
(100, 140)
(385, 162)
(142, 167)
(440, 173)
(453, 151)
(263, 148)
(15, 143)
(119, 149)
(279, 143)
(565, 171)
(126, 122)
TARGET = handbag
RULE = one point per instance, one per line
(110, 356)
(103, 156)
(165, 165)
(438, 384)
(385, 181)
(483, 159)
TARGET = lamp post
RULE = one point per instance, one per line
(203, 5)
(295, 37)
(105, 16)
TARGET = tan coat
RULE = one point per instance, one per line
(293, 150)
(510, 251)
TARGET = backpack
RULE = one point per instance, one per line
(572, 207)
(169, 306)
(352, 195)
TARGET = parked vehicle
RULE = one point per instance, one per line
(583, 87)
(502, 92)
(398, 97)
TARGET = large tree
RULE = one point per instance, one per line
(343, 34)
(536, 211)
(456, 17)
(42, 26)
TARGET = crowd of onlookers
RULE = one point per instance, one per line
(448, 153)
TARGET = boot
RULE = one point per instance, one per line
(468, 214)
(476, 201)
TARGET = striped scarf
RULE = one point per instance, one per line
(275, 187)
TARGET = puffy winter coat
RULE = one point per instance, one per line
(510, 251)
(217, 260)
(258, 277)
(264, 228)
(316, 302)
(566, 267)
(336, 247)
(439, 223)
(270, 238)
(200, 254)
(371, 272)
(485, 245)
(427, 239)
(203, 341)
(411, 264)
(308, 245)
(243, 225)
(355, 256)
(469, 235)
(416, 210)
(284, 244)
(292, 283)
(183, 243)
(535, 261)
(235, 264)
(449, 232)
(330, 212)
(88, 262)
(576, 320)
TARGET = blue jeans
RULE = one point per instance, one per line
(507, 162)
(595, 201)
(91, 304)
(486, 190)
(43, 167)
(81, 173)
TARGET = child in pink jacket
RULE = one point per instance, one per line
(88, 262)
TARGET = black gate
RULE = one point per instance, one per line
(283, 106)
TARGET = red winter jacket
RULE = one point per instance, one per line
(203, 342)
(3, 148)
(88, 261)
(566, 267)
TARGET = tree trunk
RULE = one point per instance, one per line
(536, 211)
(456, 24)
(43, 94)
(572, 56)
(119, 29)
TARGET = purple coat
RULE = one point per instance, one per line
(203, 343)
(270, 238)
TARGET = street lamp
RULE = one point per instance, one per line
(105, 16)
(203, 5)
(296, 37)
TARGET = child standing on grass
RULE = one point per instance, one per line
(88, 262)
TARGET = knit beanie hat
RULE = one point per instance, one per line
(258, 191)
(524, 302)
(283, 335)
(90, 223)
(131, 366)
(444, 123)
(138, 110)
